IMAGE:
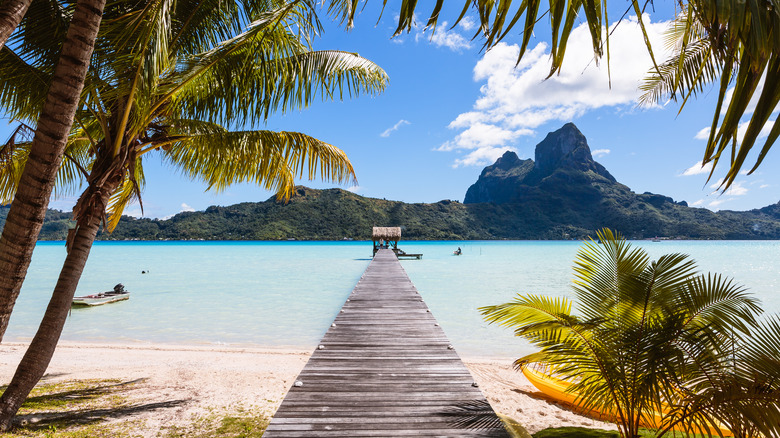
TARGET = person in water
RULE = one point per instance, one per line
(458, 252)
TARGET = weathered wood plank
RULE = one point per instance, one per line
(384, 369)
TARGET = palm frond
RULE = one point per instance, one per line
(269, 159)
(23, 86)
(683, 75)
(41, 32)
(605, 272)
(527, 310)
(13, 157)
(73, 172)
(713, 301)
(281, 74)
(127, 192)
(658, 345)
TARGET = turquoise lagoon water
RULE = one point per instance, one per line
(285, 294)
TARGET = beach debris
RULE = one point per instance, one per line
(320, 347)
(450, 347)
(475, 384)
(333, 325)
(298, 384)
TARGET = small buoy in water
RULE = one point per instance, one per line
(298, 383)
(333, 325)
(143, 272)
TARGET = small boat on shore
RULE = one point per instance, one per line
(118, 294)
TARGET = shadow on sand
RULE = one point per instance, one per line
(72, 413)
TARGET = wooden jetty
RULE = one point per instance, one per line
(385, 369)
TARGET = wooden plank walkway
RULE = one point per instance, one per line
(385, 369)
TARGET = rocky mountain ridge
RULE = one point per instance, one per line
(562, 194)
(561, 159)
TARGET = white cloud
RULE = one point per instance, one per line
(468, 23)
(481, 156)
(763, 186)
(517, 98)
(717, 202)
(480, 135)
(354, 189)
(736, 189)
(697, 169)
(395, 127)
(695, 203)
(442, 36)
(703, 134)
(600, 152)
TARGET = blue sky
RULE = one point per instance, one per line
(451, 109)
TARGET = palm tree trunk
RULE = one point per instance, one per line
(38, 355)
(28, 208)
(11, 14)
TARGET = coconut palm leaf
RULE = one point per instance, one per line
(269, 159)
(41, 32)
(291, 81)
(13, 157)
(654, 337)
(129, 191)
(27, 61)
(23, 86)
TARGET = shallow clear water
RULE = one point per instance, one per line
(287, 293)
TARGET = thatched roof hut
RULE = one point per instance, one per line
(387, 234)
(386, 237)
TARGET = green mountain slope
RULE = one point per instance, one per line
(561, 194)
(335, 214)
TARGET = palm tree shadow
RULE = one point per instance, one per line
(476, 415)
(538, 395)
(47, 416)
(45, 420)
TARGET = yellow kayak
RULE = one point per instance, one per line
(556, 388)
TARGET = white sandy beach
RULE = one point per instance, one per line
(175, 384)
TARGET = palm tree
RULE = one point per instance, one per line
(11, 14)
(655, 336)
(55, 102)
(742, 40)
(163, 84)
